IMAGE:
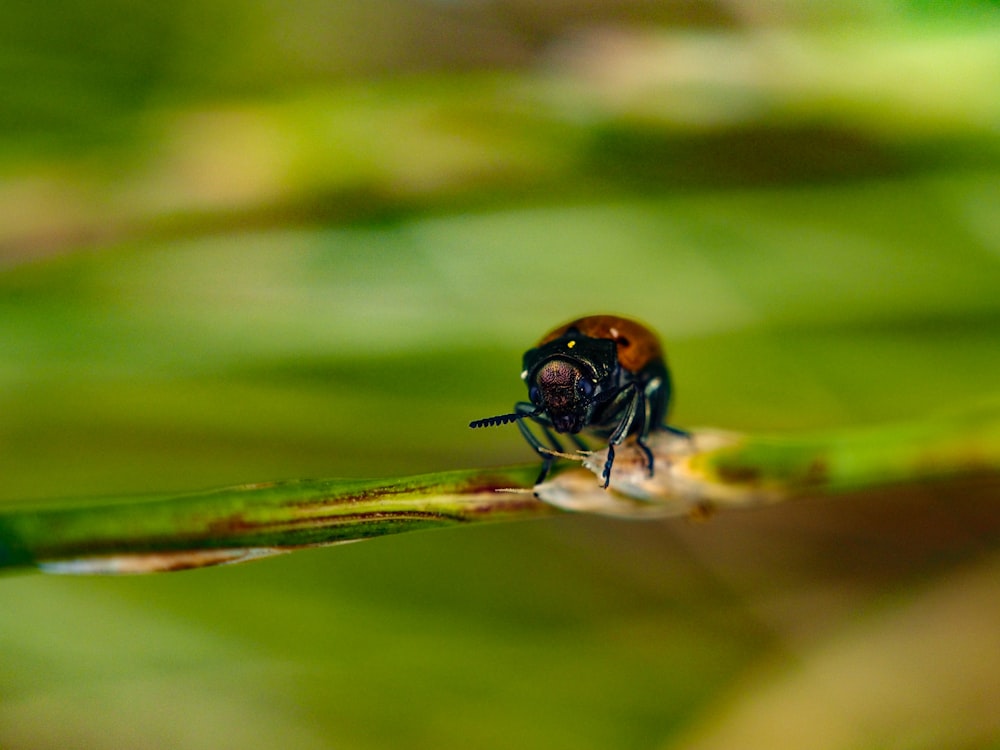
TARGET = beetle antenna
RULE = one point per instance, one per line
(495, 421)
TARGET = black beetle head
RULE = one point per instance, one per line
(563, 391)
(569, 377)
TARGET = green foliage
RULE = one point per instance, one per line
(247, 243)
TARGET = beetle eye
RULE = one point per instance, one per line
(585, 387)
(534, 394)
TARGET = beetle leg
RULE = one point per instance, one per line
(621, 431)
(677, 431)
(541, 449)
(648, 423)
(526, 409)
(631, 410)
(651, 388)
(644, 430)
(606, 474)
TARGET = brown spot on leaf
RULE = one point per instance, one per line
(817, 473)
(701, 511)
(738, 473)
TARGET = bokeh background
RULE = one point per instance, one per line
(252, 240)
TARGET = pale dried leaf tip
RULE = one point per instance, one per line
(155, 562)
(677, 487)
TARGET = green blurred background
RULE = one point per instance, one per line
(257, 240)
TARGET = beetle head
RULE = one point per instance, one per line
(567, 378)
(563, 391)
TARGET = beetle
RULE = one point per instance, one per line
(600, 373)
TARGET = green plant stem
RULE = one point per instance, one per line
(228, 525)
(708, 471)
